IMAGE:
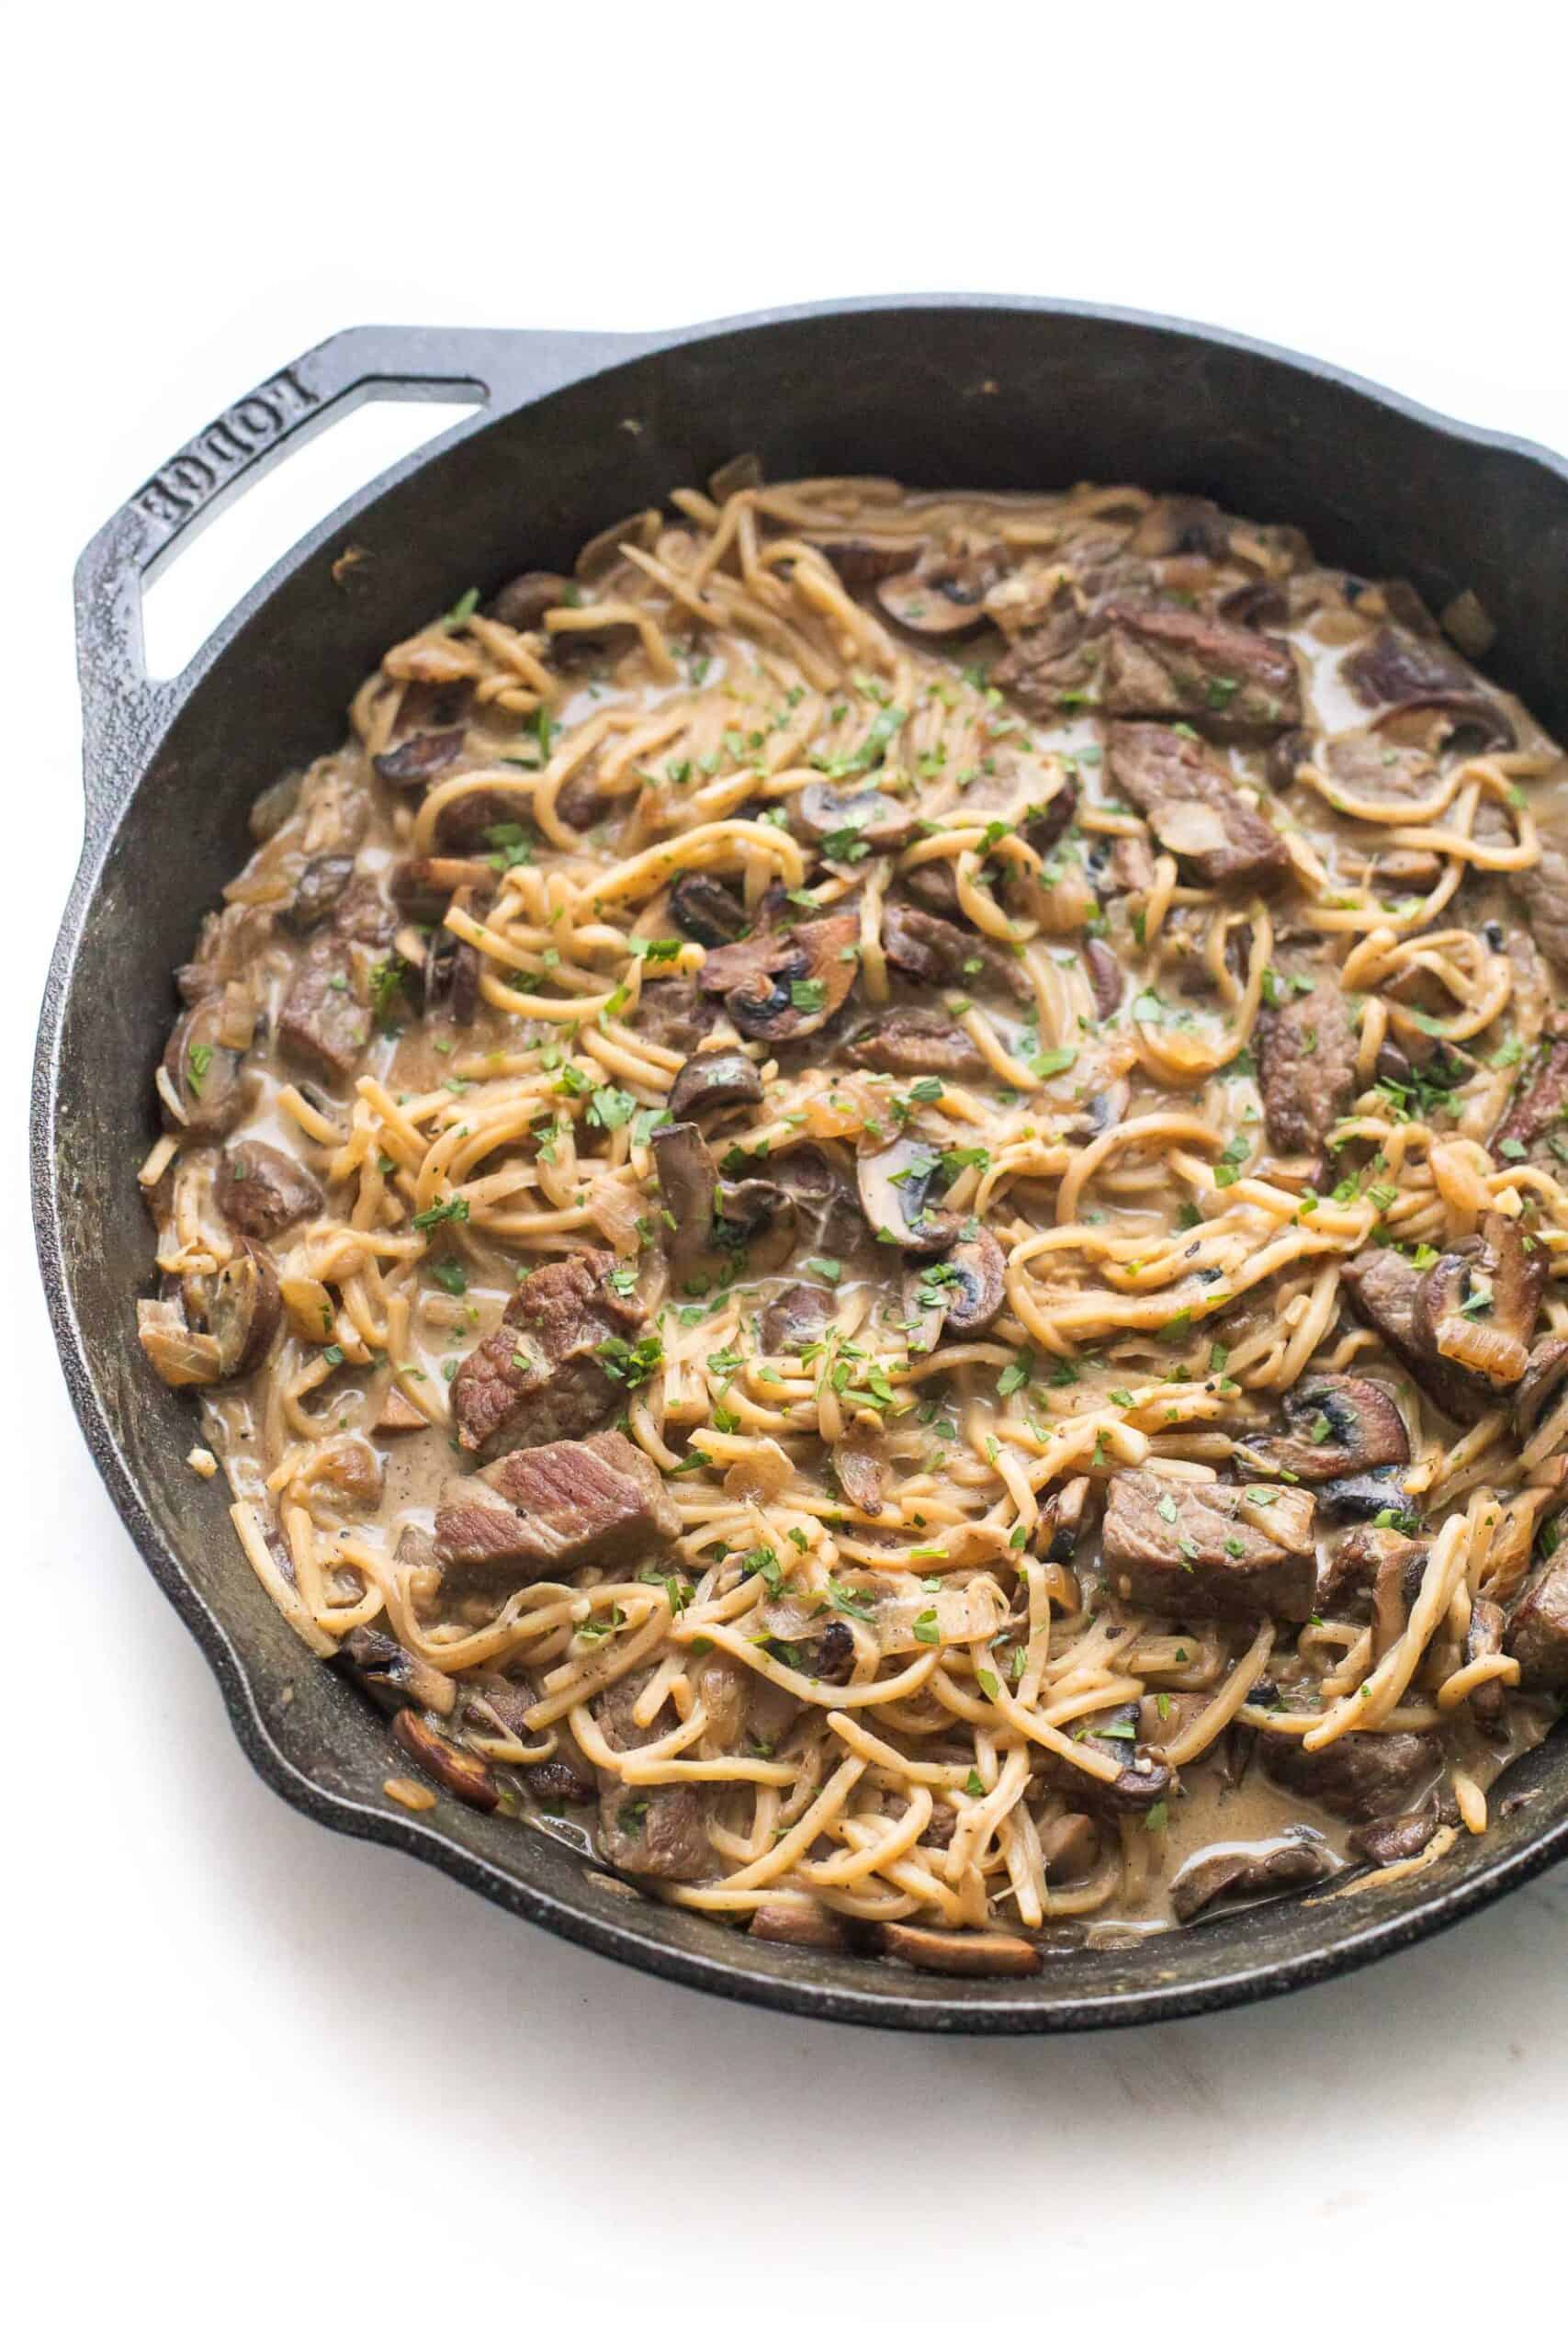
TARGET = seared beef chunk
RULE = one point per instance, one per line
(546, 1510)
(1361, 1776)
(1372, 1565)
(1167, 662)
(1307, 1066)
(1337, 1425)
(1540, 1108)
(425, 887)
(1544, 887)
(927, 947)
(917, 1044)
(1192, 1548)
(672, 1013)
(797, 1318)
(1484, 1638)
(324, 1022)
(419, 759)
(447, 983)
(1234, 1872)
(1538, 1629)
(1216, 836)
(259, 1191)
(316, 893)
(786, 984)
(653, 1831)
(543, 1375)
(1387, 1288)
(1143, 1781)
(1391, 670)
(523, 602)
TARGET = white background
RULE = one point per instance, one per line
(262, 2083)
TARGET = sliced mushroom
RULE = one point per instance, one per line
(449, 979)
(943, 595)
(897, 1186)
(974, 1298)
(704, 910)
(523, 602)
(708, 1213)
(1366, 1496)
(204, 1061)
(825, 1206)
(947, 1952)
(925, 1309)
(260, 1190)
(1233, 1871)
(1478, 1306)
(799, 1919)
(425, 886)
(1064, 1517)
(273, 806)
(870, 819)
(1483, 1638)
(785, 985)
(1069, 1847)
(393, 1677)
(914, 1043)
(714, 1082)
(1337, 1426)
(240, 1307)
(860, 558)
(316, 893)
(797, 1318)
(181, 1358)
(1106, 979)
(466, 1776)
(411, 765)
(1543, 1390)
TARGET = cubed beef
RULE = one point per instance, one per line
(1168, 662)
(912, 1044)
(1393, 670)
(797, 1318)
(1192, 1548)
(1540, 1103)
(418, 760)
(324, 1023)
(1216, 836)
(260, 1190)
(1361, 1776)
(1386, 1287)
(1538, 1630)
(547, 1509)
(927, 947)
(316, 893)
(1307, 1066)
(542, 1375)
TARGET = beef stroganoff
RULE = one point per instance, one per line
(868, 1204)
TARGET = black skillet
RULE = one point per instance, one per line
(576, 431)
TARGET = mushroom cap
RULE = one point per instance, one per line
(895, 1185)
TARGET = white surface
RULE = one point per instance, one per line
(262, 2079)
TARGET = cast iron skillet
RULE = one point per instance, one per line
(575, 431)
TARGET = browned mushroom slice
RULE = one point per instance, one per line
(260, 1190)
(466, 1776)
(688, 1188)
(799, 1920)
(1539, 1107)
(447, 982)
(425, 886)
(1394, 670)
(898, 1186)
(1064, 1517)
(704, 910)
(1543, 1391)
(949, 1951)
(316, 893)
(943, 595)
(204, 1062)
(1336, 1426)
(1239, 1872)
(974, 1295)
(395, 1417)
(1387, 1288)
(1478, 1306)
(1361, 1776)
(1182, 524)
(826, 1206)
(523, 602)
(928, 947)
(392, 1676)
(1484, 1639)
(797, 1318)
(1069, 1847)
(713, 1082)
(850, 824)
(785, 985)
(412, 764)
(862, 558)
(240, 1307)
(1106, 979)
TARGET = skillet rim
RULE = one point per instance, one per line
(879, 2001)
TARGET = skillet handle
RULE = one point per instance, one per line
(123, 711)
